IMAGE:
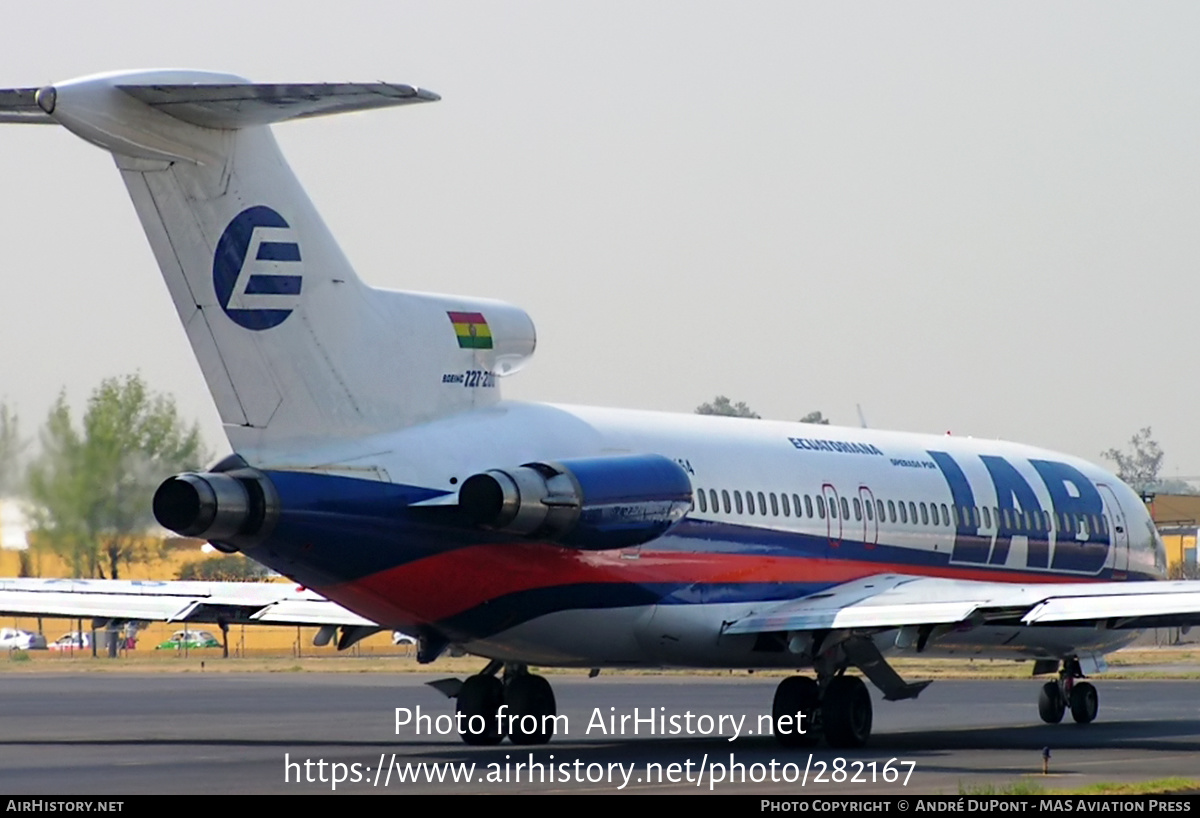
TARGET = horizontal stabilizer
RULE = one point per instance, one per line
(240, 105)
(19, 105)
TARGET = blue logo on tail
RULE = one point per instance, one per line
(256, 269)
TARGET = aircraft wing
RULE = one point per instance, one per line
(266, 603)
(899, 600)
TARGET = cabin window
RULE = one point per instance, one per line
(870, 510)
(945, 515)
(934, 514)
(712, 499)
(749, 503)
(701, 498)
(820, 505)
(924, 515)
(903, 513)
(808, 509)
(880, 511)
(762, 504)
(857, 509)
(737, 501)
(845, 509)
(1007, 519)
(987, 517)
(775, 505)
(892, 511)
(799, 509)
(912, 511)
(832, 509)
(725, 497)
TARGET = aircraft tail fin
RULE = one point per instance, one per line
(296, 350)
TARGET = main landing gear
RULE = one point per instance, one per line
(520, 706)
(1058, 696)
(802, 712)
(834, 705)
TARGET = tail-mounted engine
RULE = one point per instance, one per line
(234, 509)
(593, 503)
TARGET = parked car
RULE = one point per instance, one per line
(190, 639)
(74, 640)
(16, 639)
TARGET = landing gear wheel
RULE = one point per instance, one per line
(530, 696)
(846, 712)
(1085, 702)
(796, 694)
(480, 698)
(1051, 703)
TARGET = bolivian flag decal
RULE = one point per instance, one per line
(472, 330)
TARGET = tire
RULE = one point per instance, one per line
(1085, 702)
(1051, 704)
(797, 694)
(480, 696)
(846, 713)
(530, 696)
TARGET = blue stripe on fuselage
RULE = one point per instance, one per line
(333, 530)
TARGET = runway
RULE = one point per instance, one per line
(252, 733)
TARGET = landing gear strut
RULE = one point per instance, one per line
(1066, 693)
(521, 707)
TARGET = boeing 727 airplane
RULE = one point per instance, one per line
(377, 464)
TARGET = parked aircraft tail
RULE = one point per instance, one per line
(295, 348)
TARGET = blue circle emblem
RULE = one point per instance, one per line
(257, 290)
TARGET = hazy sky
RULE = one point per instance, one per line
(977, 217)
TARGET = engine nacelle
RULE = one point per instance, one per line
(593, 503)
(234, 509)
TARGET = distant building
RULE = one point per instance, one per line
(14, 525)
(1177, 517)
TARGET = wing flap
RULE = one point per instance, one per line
(1182, 604)
(896, 600)
(310, 612)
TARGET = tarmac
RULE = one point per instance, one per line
(199, 733)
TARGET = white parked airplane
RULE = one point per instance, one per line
(111, 603)
(377, 464)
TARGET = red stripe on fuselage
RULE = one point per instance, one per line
(440, 586)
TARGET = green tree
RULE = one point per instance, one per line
(230, 568)
(815, 417)
(721, 405)
(1140, 463)
(11, 446)
(1183, 570)
(92, 487)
